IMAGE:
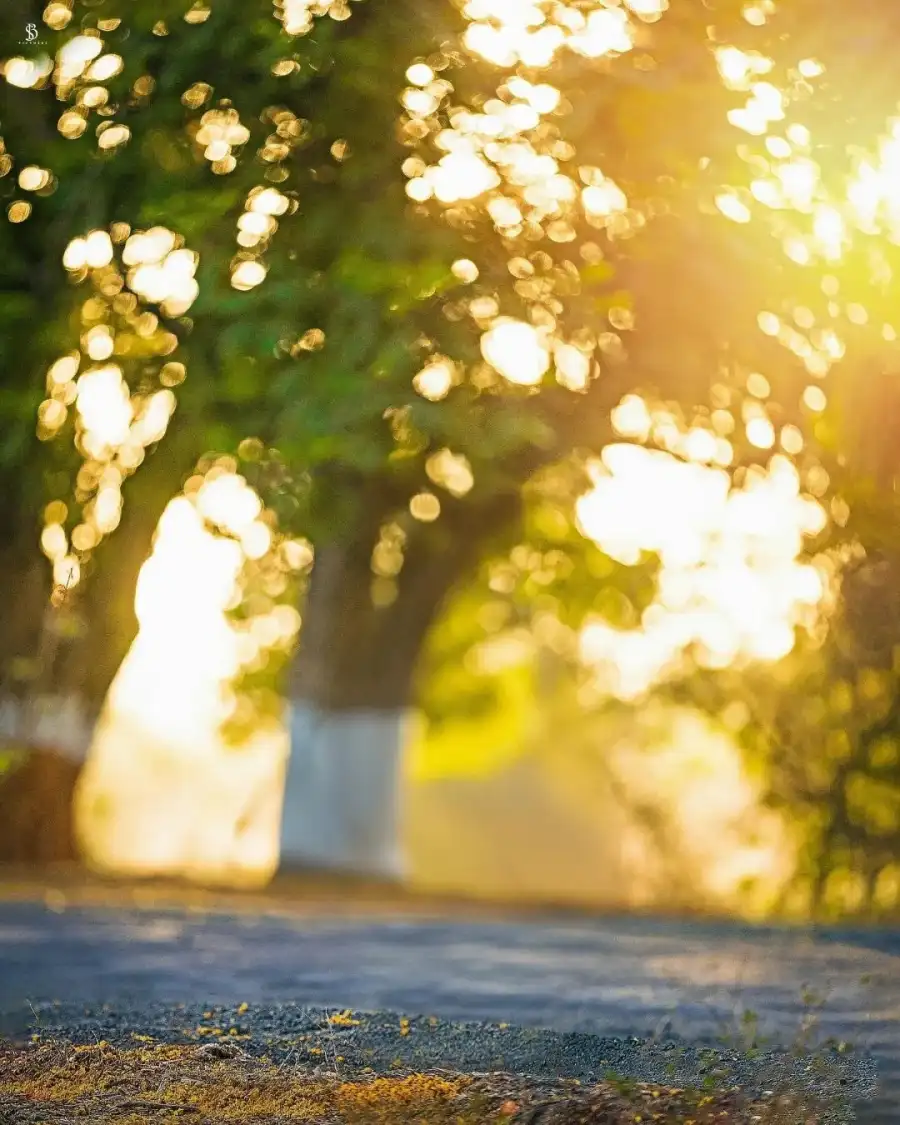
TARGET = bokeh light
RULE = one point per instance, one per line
(731, 585)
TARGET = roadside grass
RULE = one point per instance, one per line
(216, 1082)
(822, 1058)
(58, 1084)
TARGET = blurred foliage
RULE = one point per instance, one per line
(308, 377)
(10, 759)
(372, 272)
(821, 730)
(532, 594)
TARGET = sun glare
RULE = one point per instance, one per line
(731, 585)
(161, 731)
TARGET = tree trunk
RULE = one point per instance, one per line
(351, 691)
(57, 662)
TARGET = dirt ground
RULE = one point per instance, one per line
(55, 1084)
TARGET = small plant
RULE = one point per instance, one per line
(813, 1002)
(744, 1033)
(624, 1086)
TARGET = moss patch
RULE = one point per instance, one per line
(216, 1083)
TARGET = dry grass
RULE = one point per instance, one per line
(56, 1084)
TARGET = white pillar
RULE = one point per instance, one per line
(342, 795)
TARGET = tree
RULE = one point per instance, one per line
(58, 651)
(422, 307)
(821, 732)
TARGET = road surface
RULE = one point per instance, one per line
(612, 976)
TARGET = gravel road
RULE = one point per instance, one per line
(612, 978)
